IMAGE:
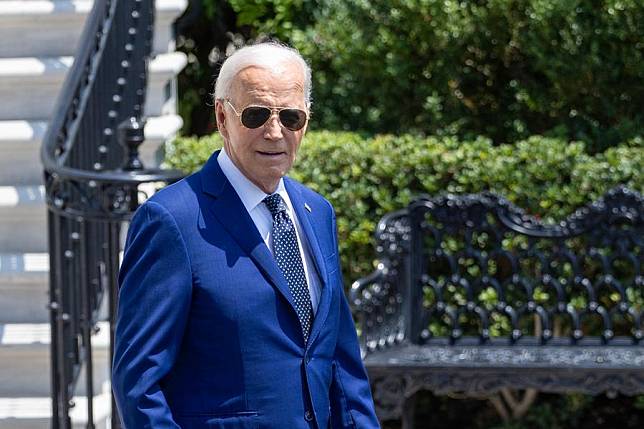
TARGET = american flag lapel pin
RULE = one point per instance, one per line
(307, 207)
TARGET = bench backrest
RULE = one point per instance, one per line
(474, 269)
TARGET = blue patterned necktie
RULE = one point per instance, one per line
(287, 254)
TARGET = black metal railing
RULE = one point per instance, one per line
(93, 181)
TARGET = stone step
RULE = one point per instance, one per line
(29, 86)
(20, 143)
(45, 27)
(24, 285)
(25, 357)
(23, 219)
(35, 413)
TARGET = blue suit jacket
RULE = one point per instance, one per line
(207, 335)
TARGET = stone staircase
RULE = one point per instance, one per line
(38, 39)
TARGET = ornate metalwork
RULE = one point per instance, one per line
(100, 198)
(507, 357)
(377, 299)
(571, 279)
(393, 387)
(493, 297)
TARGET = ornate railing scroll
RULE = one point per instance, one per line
(377, 300)
(93, 181)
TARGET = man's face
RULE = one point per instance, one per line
(263, 154)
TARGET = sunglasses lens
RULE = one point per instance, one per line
(293, 119)
(254, 116)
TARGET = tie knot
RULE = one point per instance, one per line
(275, 204)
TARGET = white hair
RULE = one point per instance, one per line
(264, 55)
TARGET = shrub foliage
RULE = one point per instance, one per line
(505, 69)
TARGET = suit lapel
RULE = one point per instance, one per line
(306, 218)
(226, 206)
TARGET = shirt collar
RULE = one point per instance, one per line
(250, 195)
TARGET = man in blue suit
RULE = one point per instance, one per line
(231, 308)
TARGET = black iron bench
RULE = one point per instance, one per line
(472, 295)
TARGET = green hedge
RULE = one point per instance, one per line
(364, 178)
(505, 69)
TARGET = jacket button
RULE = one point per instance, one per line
(308, 416)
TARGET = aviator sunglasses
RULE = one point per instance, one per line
(256, 116)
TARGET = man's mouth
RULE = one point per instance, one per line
(271, 153)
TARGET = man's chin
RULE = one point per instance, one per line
(275, 166)
(270, 179)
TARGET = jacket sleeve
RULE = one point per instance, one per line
(154, 298)
(350, 394)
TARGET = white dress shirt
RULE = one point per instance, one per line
(252, 197)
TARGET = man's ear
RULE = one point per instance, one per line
(220, 116)
(308, 120)
(306, 127)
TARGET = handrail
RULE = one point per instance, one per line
(86, 61)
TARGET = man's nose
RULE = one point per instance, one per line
(273, 128)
